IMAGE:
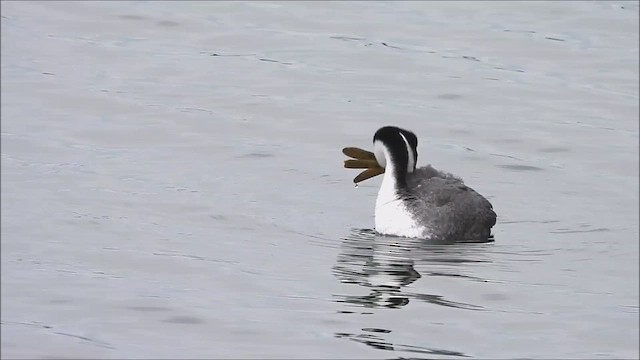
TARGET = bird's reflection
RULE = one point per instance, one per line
(378, 263)
(385, 267)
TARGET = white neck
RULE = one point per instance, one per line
(389, 189)
(392, 216)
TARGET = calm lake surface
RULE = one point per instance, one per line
(172, 180)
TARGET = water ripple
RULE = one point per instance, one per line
(384, 266)
(379, 343)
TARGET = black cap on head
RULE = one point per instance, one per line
(402, 146)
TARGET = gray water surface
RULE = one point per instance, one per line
(172, 181)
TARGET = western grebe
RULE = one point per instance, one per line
(419, 202)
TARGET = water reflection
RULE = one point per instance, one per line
(385, 267)
(377, 342)
(382, 266)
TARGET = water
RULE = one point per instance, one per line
(172, 181)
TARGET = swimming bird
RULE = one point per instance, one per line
(419, 202)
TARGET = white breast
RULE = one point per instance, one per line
(392, 216)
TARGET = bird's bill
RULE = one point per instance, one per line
(357, 153)
(360, 164)
(368, 174)
(362, 159)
